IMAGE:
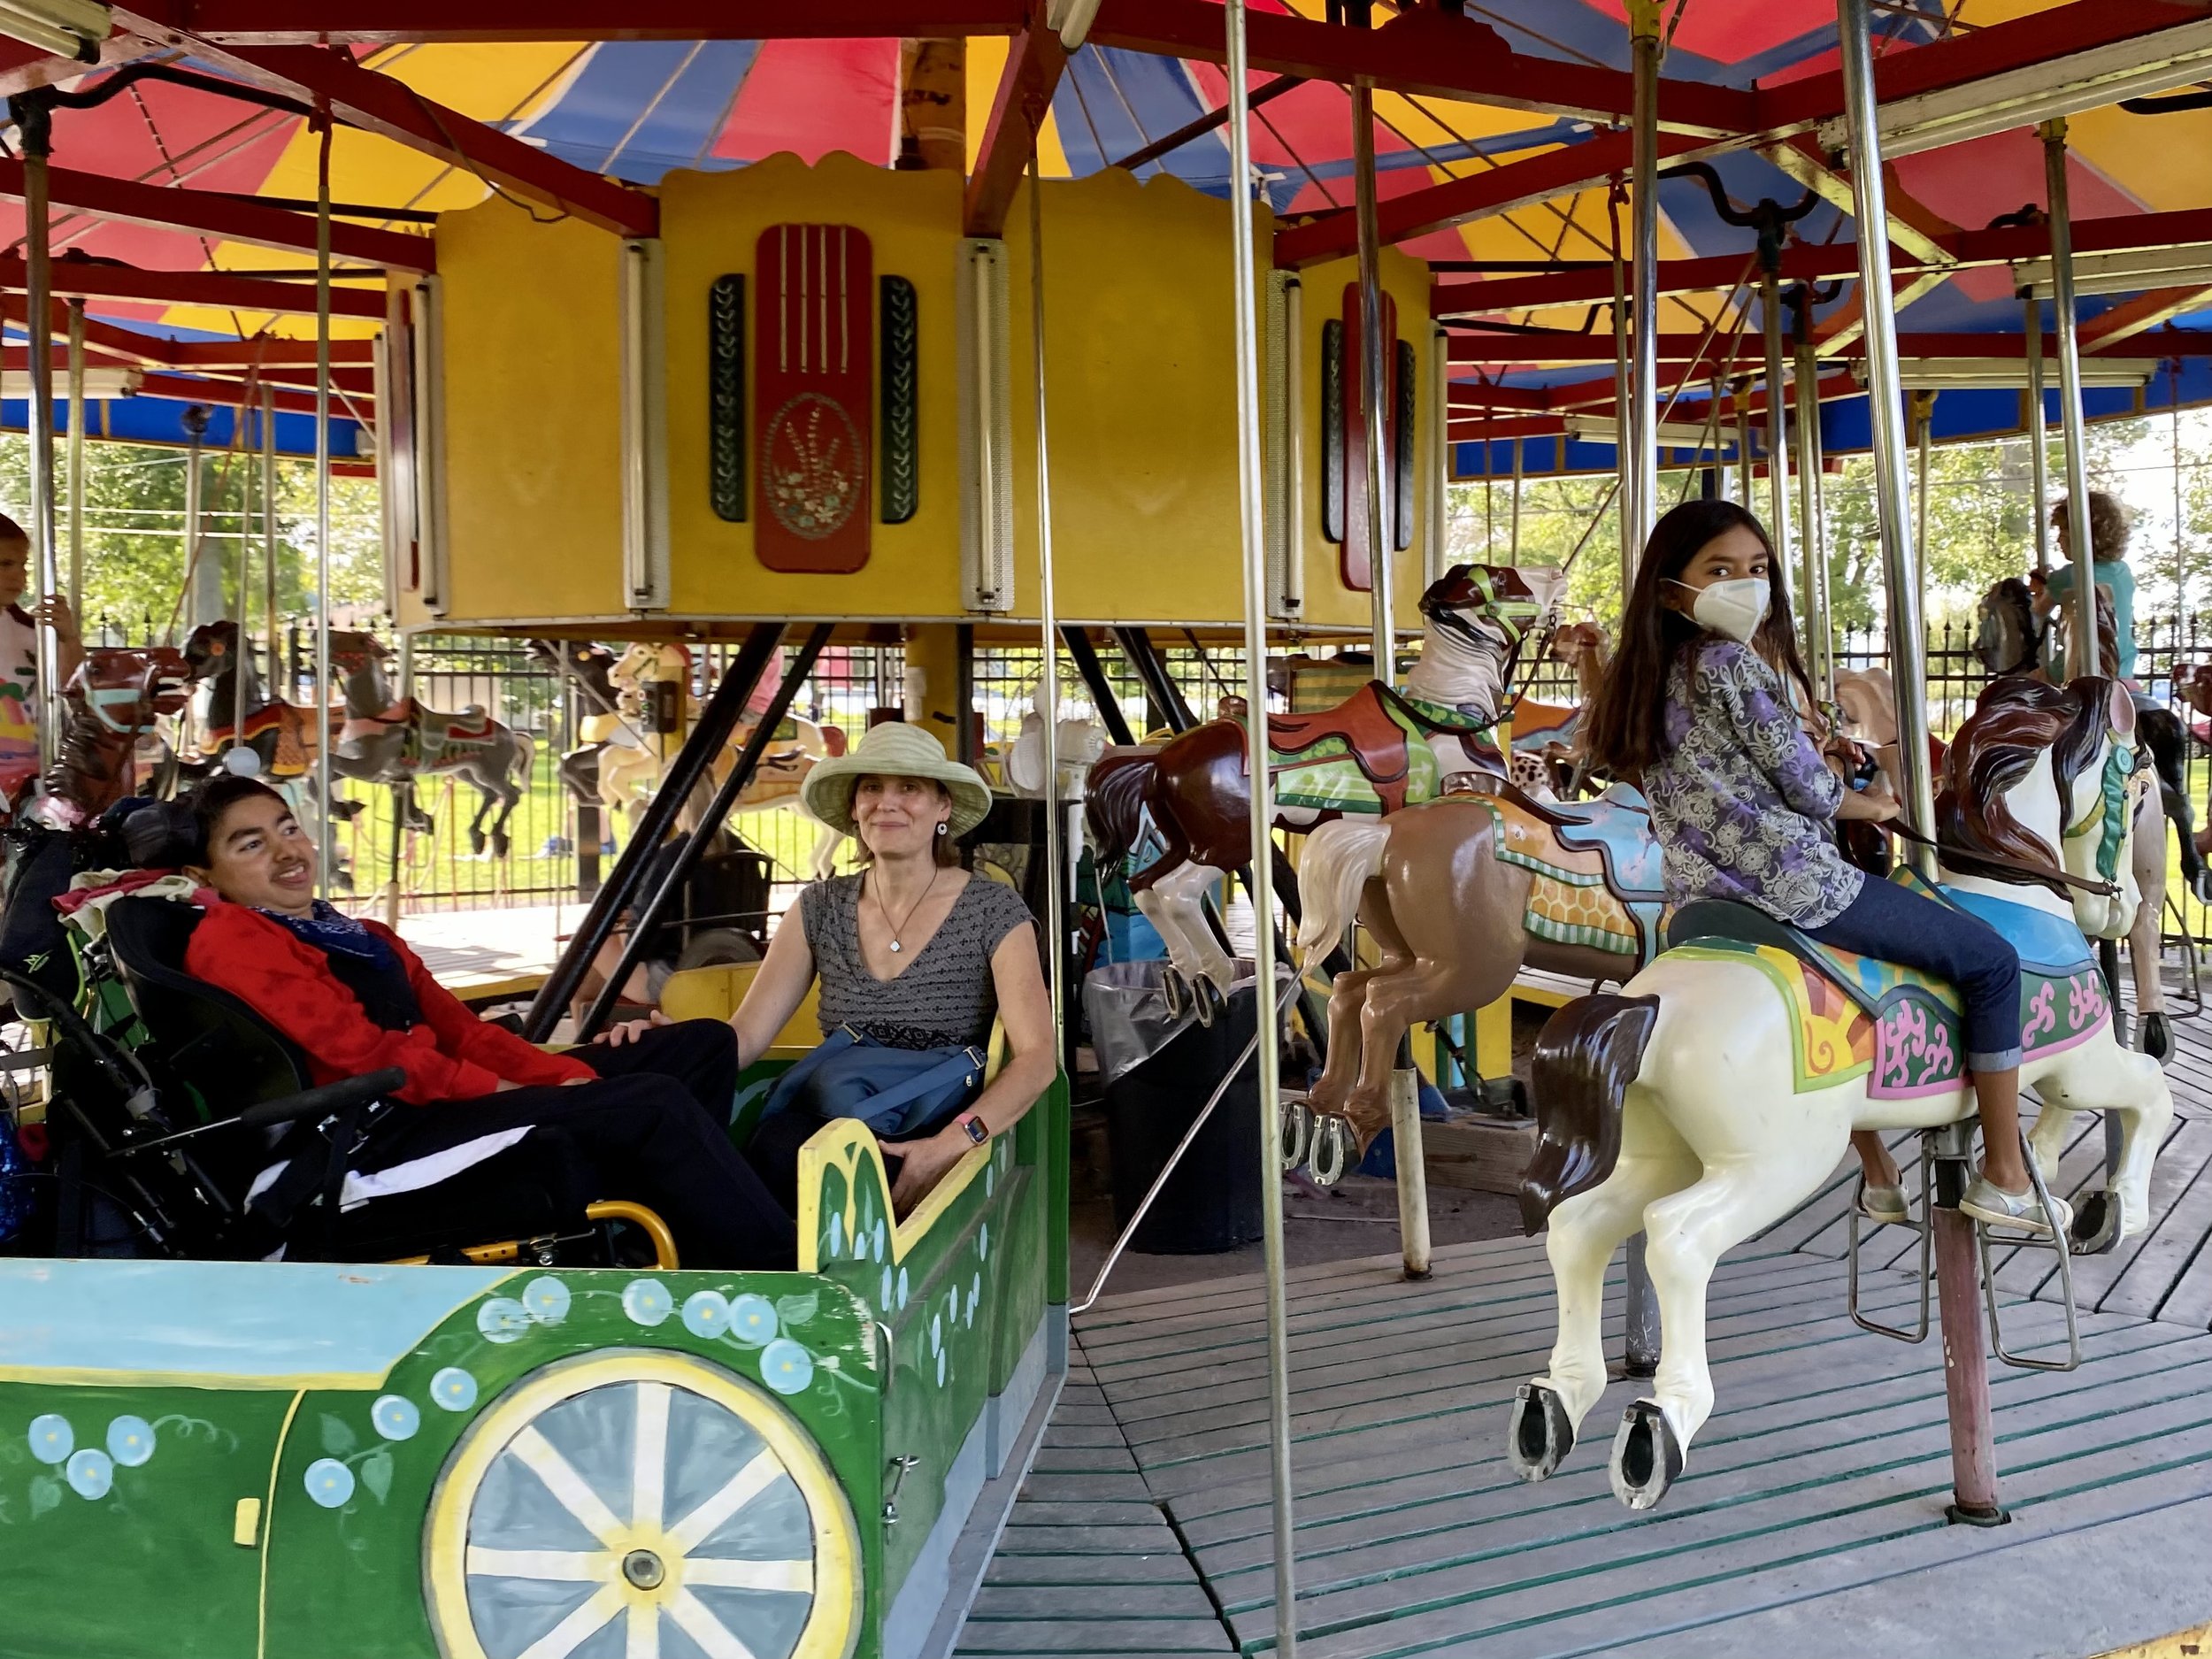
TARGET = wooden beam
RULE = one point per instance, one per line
(1917, 229)
(296, 22)
(2131, 317)
(1033, 67)
(230, 218)
(1560, 346)
(85, 279)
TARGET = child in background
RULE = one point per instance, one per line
(18, 660)
(2109, 530)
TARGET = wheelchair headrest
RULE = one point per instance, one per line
(149, 936)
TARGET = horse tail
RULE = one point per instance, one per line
(1587, 1056)
(1341, 857)
(1114, 800)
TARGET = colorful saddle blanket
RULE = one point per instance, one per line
(1367, 755)
(1596, 866)
(1855, 1016)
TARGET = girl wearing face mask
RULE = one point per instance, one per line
(1699, 707)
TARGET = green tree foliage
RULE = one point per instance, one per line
(135, 540)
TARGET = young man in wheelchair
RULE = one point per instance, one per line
(648, 1117)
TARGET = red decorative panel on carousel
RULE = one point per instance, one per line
(813, 395)
(1357, 541)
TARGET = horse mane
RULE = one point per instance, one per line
(1114, 799)
(2016, 720)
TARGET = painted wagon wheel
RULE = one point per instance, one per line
(606, 1502)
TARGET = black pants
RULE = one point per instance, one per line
(654, 1126)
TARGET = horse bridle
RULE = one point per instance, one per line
(2031, 867)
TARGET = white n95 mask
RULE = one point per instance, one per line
(1733, 609)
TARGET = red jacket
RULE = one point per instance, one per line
(450, 1055)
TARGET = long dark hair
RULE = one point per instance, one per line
(1626, 725)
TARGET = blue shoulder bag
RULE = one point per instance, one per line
(896, 1092)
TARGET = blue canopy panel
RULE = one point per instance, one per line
(146, 420)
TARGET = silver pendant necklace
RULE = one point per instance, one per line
(899, 926)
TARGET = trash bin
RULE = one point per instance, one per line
(1157, 1073)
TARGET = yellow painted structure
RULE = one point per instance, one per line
(1140, 358)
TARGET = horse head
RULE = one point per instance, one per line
(644, 661)
(1478, 616)
(211, 648)
(125, 690)
(2008, 635)
(2044, 778)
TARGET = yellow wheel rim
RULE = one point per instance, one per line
(643, 1490)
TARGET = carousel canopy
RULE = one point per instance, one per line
(185, 170)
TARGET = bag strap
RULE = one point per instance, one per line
(967, 1060)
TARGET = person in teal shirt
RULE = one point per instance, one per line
(2107, 545)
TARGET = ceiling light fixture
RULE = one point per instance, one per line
(74, 28)
(2039, 92)
(1946, 374)
(1071, 20)
(1669, 435)
(98, 383)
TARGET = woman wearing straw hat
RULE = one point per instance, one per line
(912, 953)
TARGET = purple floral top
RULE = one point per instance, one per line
(1743, 803)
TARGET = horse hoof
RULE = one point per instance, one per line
(1541, 1435)
(1335, 1149)
(500, 846)
(476, 843)
(1206, 1000)
(2156, 1037)
(1647, 1457)
(1174, 993)
(1297, 1134)
(2097, 1223)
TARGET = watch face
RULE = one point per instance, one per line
(977, 1133)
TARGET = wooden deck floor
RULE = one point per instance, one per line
(1809, 1522)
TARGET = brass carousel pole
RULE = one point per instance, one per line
(326, 839)
(1048, 689)
(1966, 1358)
(1251, 498)
(2038, 432)
(34, 127)
(1376, 353)
(1819, 636)
(76, 461)
(1640, 428)
(2081, 634)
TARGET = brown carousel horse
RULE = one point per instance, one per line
(391, 740)
(114, 700)
(1183, 808)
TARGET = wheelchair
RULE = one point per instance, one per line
(172, 1101)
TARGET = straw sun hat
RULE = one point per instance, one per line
(894, 749)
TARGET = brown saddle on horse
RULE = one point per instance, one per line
(1373, 729)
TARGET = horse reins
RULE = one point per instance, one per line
(2001, 860)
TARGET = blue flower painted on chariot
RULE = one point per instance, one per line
(91, 1473)
(936, 1333)
(990, 1177)
(876, 1238)
(837, 1233)
(454, 1389)
(940, 1368)
(785, 1366)
(396, 1419)
(983, 1241)
(884, 1301)
(706, 1313)
(646, 1301)
(131, 1441)
(329, 1482)
(901, 1291)
(52, 1439)
(501, 1319)
(753, 1319)
(546, 1300)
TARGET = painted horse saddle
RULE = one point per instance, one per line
(1856, 1015)
(1369, 754)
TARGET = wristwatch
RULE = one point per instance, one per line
(973, 1127)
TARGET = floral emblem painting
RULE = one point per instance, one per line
(813, 466)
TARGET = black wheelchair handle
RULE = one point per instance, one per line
(320, 1102)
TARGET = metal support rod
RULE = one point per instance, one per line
(1966, 1355)
(1084, 657)
(1251, 494)
(2038, 425)
(240, 669)
(1641, 426)
(659, 903)
(1812, 535)
(1777, 427)
(710, 736)
(2082, 633)
(1746, 470)
(964, 691)
(1892, 501)
(1048, 625)
(1920, 423)
(200, 606)
(1623, 487)
(76, 460)
(1513, 549)
(33, 119)
(1374, 400)
(1167, 696)
(325, 838)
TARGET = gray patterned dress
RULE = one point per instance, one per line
(1743, 803)
(943, 997)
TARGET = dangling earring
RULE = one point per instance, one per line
(943, 829)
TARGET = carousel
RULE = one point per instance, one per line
(707, 335)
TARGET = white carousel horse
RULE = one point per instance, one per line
(1683, 1107)
(631, 765)
(1079, 739)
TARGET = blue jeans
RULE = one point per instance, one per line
(1914, 931)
